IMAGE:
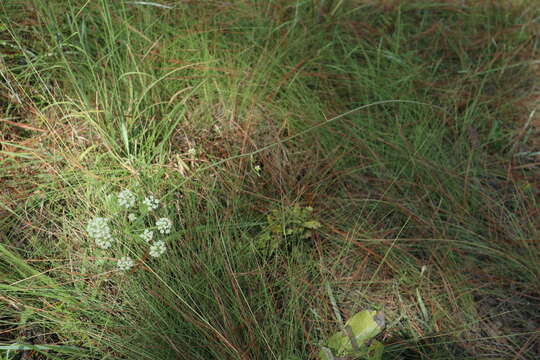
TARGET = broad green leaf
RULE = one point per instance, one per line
(357, 332)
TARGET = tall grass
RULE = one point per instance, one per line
(397, 123)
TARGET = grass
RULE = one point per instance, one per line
(405, 125)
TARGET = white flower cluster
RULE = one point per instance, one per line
(151, 203)
(104, 243)
(126, 199)
(98, 229)
(125, 263)
(157, 249)
(147, 235)
(164, 225)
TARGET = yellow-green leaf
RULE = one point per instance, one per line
(358, 330)
(312, 224)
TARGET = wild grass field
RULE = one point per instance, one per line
(315, 159)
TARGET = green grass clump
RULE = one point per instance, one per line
(316, 158)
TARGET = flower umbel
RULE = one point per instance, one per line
(105, 231)
(151, 202)
(104, 243)
(147, 235)
(157, 249)
(126, 198)
(164, 225)
(98, 228)
(125, 263)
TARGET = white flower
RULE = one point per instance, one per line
(126, 198)
(104, 243)
(147, 235)
(151, 202)
(164, 225)
(98, 228)
(157, 249)
(257, 168)
(125, 263)
(132, 217)
(192, 151)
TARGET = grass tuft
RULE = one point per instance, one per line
(315, 158)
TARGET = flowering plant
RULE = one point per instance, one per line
(129, 227)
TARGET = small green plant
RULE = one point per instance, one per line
(355, 340)
(131, 222)
(287, 226)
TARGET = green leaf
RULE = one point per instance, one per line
(375, 351)
(276, 229)
(312, 224)
(357, 332)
